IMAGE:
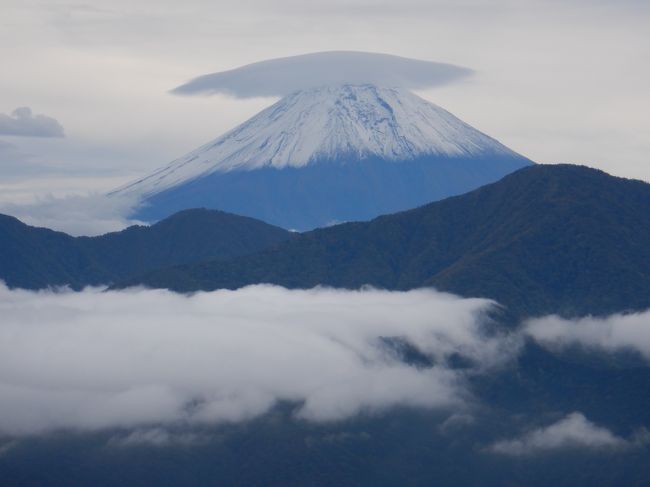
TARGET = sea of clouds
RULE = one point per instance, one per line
(147, 360)
(93, 359)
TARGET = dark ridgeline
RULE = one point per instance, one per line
(546, 239)
(35, 258)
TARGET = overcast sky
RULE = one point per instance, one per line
(558, 81)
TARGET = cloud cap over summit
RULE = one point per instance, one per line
(281, 76)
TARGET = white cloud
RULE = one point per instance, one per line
(573, 431)
(22, 122)
(613, 333)
(146, 359)
(156, 436)
(279, 77)
(92, 214)
(455, 422)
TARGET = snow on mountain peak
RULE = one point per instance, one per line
(331, 123)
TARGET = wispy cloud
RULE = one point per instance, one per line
(157, 437)
(573, 431)
(22, 122)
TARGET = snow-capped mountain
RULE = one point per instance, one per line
(314, 147)
(325, 124)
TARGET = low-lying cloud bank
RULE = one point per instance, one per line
(159, 365)
(92, 214)
(614, 333)
(144, 358)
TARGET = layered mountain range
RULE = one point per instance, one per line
(545, 239)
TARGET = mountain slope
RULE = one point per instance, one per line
(324, 124)
(334, 153)
(37, 257)
(546, 239)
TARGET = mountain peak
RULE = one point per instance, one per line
(331, 123)
(327, 154)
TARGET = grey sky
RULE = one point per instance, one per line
(558, 81)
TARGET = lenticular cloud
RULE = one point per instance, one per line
(141, 358)
(279, 77)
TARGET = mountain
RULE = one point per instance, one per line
(35, 258)
(564, 239)
(546, 239)
(330, 154)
